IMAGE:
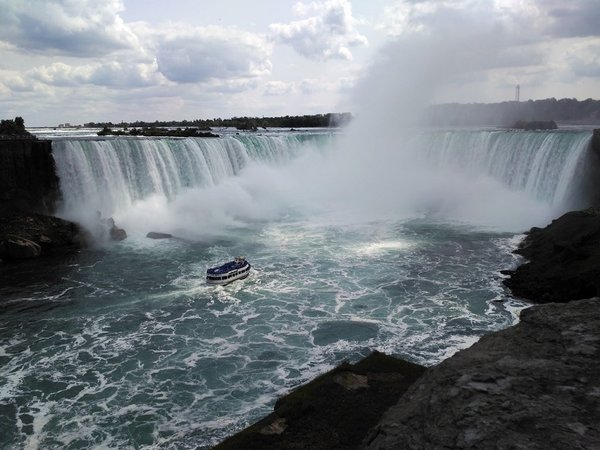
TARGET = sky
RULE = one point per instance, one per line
(81, 61)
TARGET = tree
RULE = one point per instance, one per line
(20, 123)
(13, 127)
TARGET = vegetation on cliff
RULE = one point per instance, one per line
(566, 110)
(154, 132)
(241, 123)
(535, 125)
(14, 128)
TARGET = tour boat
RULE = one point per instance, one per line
(237, 269)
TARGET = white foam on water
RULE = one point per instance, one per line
(377, 248)
(41, 417)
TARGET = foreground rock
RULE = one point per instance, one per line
(114, 232)
(563, 260)
(26, 236)
(334, 411)
(532, 386)
(14, 247)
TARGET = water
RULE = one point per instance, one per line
(125, 346)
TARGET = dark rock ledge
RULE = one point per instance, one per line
(27, 236)
(563, 260)
(532, 386)
(334, 411)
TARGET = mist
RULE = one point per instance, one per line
(373, 170)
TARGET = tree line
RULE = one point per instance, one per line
(241, 123)
(566, 111)
(15, 127)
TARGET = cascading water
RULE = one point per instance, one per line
(137, 179)
(545, 165)
(111, 176)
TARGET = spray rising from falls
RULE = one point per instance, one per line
(182, 185)
(138, 179)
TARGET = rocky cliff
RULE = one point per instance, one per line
(596, 142)
(562, 260)
(532, 386)
(29, 194)
(334, 411)
(28, 181)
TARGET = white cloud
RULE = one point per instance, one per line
(16, 82)
(451, 16)
(579, 18)
(200, 54)
(328, 33)
(113, 74)
(83, 28)
(584, 59)
(310, 86)
(279, 88)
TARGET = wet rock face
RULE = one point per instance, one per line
(26, 236)
(532, 386)
(18, 248)
(157, 235)
(28, 180)
(596, 142)
(563, 260)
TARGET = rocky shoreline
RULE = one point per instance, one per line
(562, 260)
(532, 386)
(27, 236)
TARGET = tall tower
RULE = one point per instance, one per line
(517, 93)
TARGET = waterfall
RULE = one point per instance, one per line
(545, 165)
(112, 174)
(216, 182)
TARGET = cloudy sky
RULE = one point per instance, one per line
(87, 60)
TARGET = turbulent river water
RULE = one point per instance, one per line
(125, 346)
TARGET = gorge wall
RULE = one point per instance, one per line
(596, 142)
(29, 196)
(28, 180)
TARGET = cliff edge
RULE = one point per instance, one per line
(531, 386)
(28, 180)
(334, 411)
(562, 260)
(29, 195)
